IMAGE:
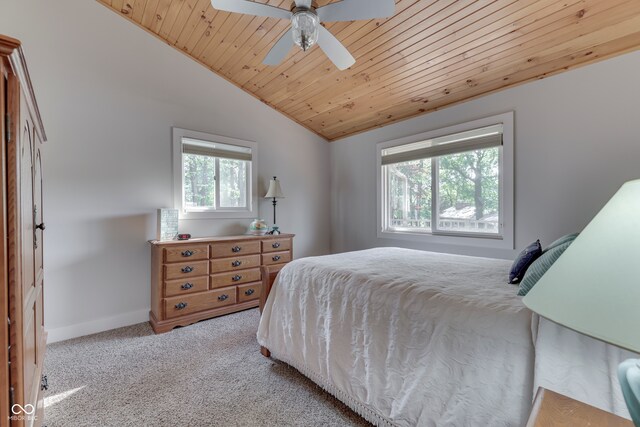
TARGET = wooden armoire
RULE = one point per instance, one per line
(21, 223)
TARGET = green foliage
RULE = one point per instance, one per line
(465, 179)
(471, 178)
(199, 180)
(416, 175)
(233, 183)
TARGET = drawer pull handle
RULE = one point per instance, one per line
(249, 292)
(236, 249)
(223, 297)
(187, 286)
(187, 269)
(181, 305)
(276, 258)
(236, 263)
(275, 245)
(236, 278)
(187, 253)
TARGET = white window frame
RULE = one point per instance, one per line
(505, 240)
(251, 211)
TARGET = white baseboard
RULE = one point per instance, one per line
(95, 326)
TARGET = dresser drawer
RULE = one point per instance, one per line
(237, 263)
(185, 270)
(186, 286)
(249, 292)
(224, 250)
(186, 253)
(275, 245)
(180, 306)
(235, 278)
(276, 258)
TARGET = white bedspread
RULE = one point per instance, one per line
(407, 337)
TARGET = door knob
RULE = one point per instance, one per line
(41, 226)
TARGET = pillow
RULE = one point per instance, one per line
(523, 261)
(564, 239)
(540, 266)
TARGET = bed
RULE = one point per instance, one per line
(406, 337)
(413, 338)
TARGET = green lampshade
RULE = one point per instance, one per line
(594, 287)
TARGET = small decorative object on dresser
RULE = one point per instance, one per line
(258, 227)
(209, 277)
(275, 193)
(167, 224)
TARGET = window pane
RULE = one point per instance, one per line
(468, 191)
(233, 183)
(198, 181)
(409, 186)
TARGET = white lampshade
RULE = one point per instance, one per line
(274, 189)
(594, 287)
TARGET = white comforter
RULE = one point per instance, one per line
(407, 337)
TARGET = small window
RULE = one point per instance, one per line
(214, 176)
(448, 185)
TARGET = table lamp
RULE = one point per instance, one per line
(274, 192)
(594, 289)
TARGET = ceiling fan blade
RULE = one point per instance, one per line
(335, 50)
(251, 8)
(280, 50)
(303, 3)
(354, 10)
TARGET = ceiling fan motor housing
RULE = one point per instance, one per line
(305, 23)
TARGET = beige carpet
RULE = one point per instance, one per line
(207, 374)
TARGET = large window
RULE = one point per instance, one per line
(213, 175)
(449, 183)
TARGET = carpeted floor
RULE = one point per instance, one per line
(207, 374)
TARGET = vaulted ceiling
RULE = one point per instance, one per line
(430, 54)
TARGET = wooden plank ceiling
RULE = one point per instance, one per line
(430, 54)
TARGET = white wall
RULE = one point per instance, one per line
(577, 139)
(109, 94)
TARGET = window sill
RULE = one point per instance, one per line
(443, 238)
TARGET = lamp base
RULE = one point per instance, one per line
(275, 230)
(629, 376)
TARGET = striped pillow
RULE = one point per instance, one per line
(564, 239)
(540, 266)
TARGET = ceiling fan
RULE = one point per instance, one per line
(305, 28)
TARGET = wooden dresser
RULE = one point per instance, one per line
(201, 278)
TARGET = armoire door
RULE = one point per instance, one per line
(26, 329)
(39, 272)
(37, 209)
(29, 291)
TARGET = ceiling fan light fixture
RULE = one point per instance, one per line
(305, 23)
